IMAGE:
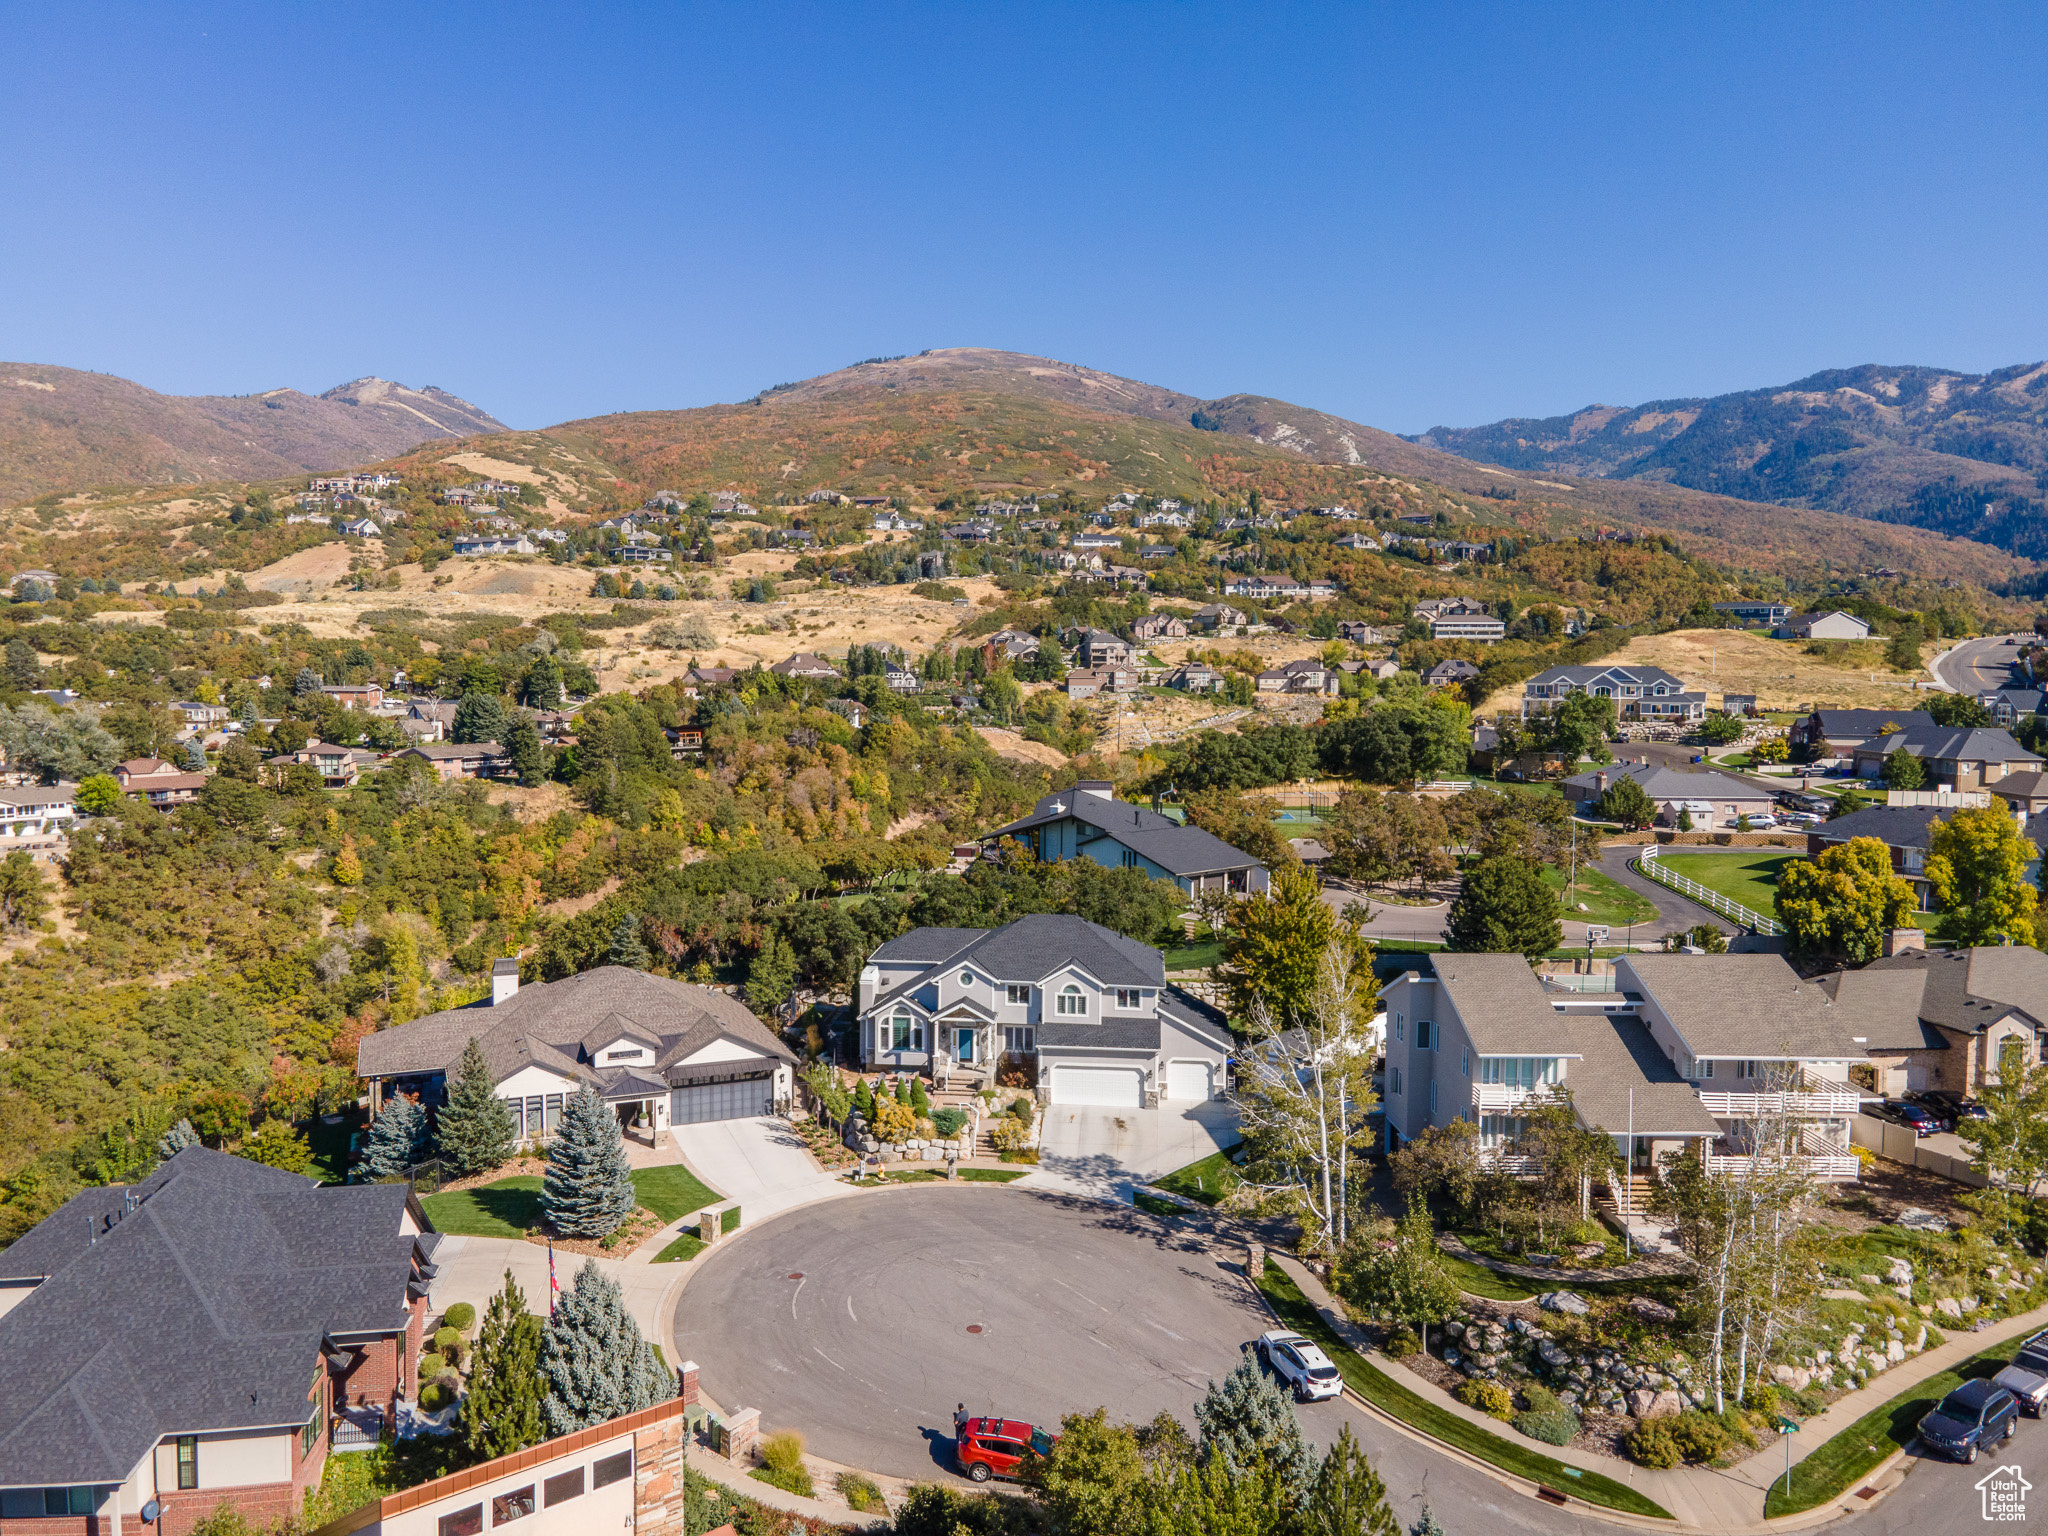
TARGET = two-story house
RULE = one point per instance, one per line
(1091, 1006)
(1098, 648)
(37, 815)
(1160, 626)
(199, 1338)
(1830, 737)
(1756, 610)
(1686, 1054)
(1304, 675)
(1219, 616)
(1088, 821)
(2009, 706)
(1639, 693)
(806, 664)
(1951, 759)
(1832, 625)
(337, 766)
(1941, 1019)
(1907, 832)
(1449, 672)
(660, 1052)
(161, 784)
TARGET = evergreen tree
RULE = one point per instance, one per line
(480, 717)
(864, 1101)
(1248, 1422)
(308, 681)
(628, 948)
(277, 1145)
(502, 1413)
(593, 1362)
(1505, 909)
(23, 669)
(1428, 1525)
(195, 756)
(1348, 1498)
(176, 1140)
(397, 1140)
(475, 1130)
(588, 1188)
(543, 686)
(521, 742)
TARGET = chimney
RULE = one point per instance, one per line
(1899, 940)
(1600, 781)
(504, 981)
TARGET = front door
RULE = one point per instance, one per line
(964, 1051)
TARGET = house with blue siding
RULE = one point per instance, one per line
(1088, 822)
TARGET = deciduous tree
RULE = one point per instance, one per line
(1977, 863)
(1628, 803)
(1843, 901)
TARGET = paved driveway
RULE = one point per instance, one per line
(759, 1163)
(1103, 1152)
(472, 1269)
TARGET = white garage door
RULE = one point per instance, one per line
(1187, 1080)
(1113, 1087)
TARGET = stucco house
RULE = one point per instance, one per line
(1087, 821)
(1639, 693)
(1092, 1007)
(1714, 801)
(660, 1052)
(1832, 625)
(199, 1338)
(1826, 737)
(1940, 1019)
(1951, 759)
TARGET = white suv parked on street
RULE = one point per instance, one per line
(1300, 1364)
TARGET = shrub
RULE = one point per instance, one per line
(948, 1122)
(862, 1496)
(431, 1365)
(1402, 1343)
(435, 1396)
(1761, 1398)
(448, 1344)
(1698, 1436)
(1011, 1135)
(920, 1101)
(1546, 1418)
(1021, 1109)
(460, 1316)
(1652, 1444)
(894, 1122)
(903, 1091)
(1487, 1396)
(783, 1451)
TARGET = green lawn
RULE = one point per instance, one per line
(1206, 1181)
(507, 1208)
(1834, 1468)
(1478, 1280)
(992, 1175)
(689, 1245)
(1156, 1206)
(329, 1144)
(1747, 875)
(1607, 900)
(1389, 1396)
(511, 1207)
(1194, 957)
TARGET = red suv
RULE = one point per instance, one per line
(999, 1447)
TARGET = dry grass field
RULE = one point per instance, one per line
(1779, 672)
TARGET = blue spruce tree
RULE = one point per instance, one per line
(588, 1188)
(397, 1140)
(1249, 1422)
(593, 1362)
(176, 1140)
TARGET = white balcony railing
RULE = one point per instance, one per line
(1833, 1170)
(1835, 1104)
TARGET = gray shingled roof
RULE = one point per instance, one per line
(1668, 784)
(1618, 1054)
(1173, 847)
(1883, 1007)
(1986, 744)
(1746, 1007)
(547, 1023)
(1029, 950)
(1896, 826)
(1840, 724)
(1967, 989)
(202, 1308)
(1505, 1010)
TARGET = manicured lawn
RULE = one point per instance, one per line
(1194, 957)
(689, 1245)
(1389, 1396)
(672, 1191)
(1156, 1206)
(1834, 1468)
(507, 1208)
(511, 1207)
(329, 1144)
(1206, 1181)
(1478, 1280)
(992, 1175)
(1608, 901)
(1747, 875)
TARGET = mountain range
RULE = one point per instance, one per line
(62, 429)
(1962, 454)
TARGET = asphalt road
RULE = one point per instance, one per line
(850, 1321)
(1976, 666)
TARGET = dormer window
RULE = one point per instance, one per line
(626, 1053)
(1073, 1002)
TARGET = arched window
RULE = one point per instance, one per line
(905, 1032)
(1073, 1001)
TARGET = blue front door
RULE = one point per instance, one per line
(965, 1051)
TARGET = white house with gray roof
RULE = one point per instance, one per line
(1092, 1007)
(1686, 1053)
(1087, 821)
(661, 1052)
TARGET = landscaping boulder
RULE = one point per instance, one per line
(1894, 1351)
(1552, 1356)
(1797, 1377)
(1948, 1306)
(1652, 1311)
(1914, 1219)
(1645, 1404)
(1563, 1301)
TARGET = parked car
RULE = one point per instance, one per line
(1899, 1112)
(1952, 1106)
(1975, 1417)
(1300, 1364)
(999, 1447)
(2028, 1387)
(2033, 1355)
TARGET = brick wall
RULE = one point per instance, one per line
(66, 1525)
(260, 1504)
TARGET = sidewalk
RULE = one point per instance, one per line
(1701, 1498)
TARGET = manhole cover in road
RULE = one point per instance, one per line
(974, 1328)
(796, 1274)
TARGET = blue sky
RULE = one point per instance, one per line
(1405, 215)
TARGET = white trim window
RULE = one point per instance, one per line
(1020, 997)
(1129, 997)
(1432, 1096)
(1423, 1041)
(1465, 1060)
(967, 978)
(1020, 1038)
(905, 1033)
(1400, 1029)
(1393, 1082)
(1073, 1002)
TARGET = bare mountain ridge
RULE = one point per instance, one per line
(63, 428)
(1961, 454)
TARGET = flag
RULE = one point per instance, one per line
(554, 1285)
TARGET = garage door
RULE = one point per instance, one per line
(743, 1100)
(1187, 1079)
(1114, 1087)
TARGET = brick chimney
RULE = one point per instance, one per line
(1899, 940)
(1600, 781)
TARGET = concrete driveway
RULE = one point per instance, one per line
(472, 1269)
(1103, 1153)
(759, 1163)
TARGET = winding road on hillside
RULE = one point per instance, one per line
(1977, 666)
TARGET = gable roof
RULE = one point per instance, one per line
(1745, 1006)
(1586, 676)
(1661, 783)
(1027, 950)
(1619, 1054)
(1502, 1005)
(1883, 1004)
(196, 1299)
(1964, 990)
(1868, 722)
(1986, 743)
(547, 1024)
(1179, 850)
(1896, 826)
